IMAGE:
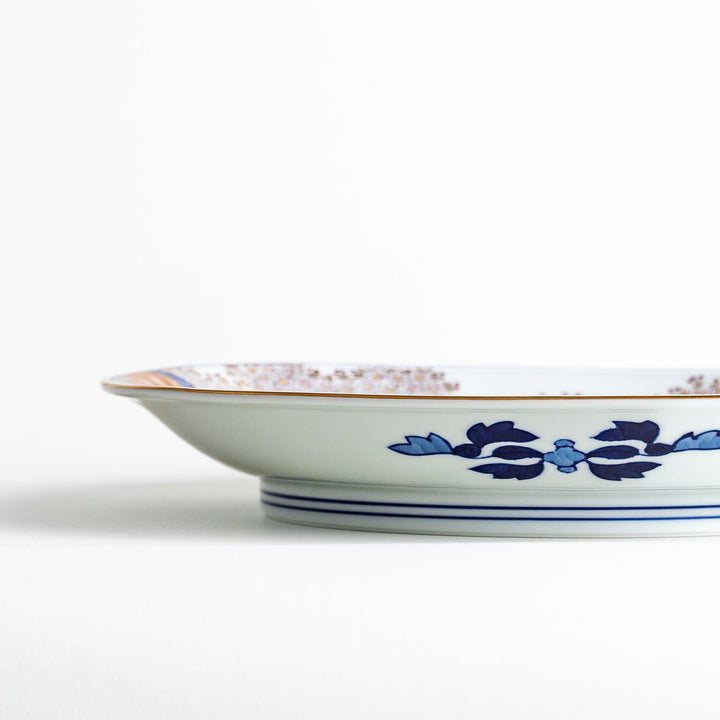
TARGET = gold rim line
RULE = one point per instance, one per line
(288, 393)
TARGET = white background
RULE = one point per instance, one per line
(426, 182)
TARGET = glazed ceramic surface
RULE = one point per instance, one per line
(478, 451)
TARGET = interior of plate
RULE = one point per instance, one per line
(423, 381)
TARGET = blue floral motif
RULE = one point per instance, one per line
(565, 457)
(522, 462)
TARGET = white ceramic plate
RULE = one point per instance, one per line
(472, 451)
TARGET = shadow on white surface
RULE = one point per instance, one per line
(207, 510)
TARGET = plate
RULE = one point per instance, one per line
(466, 451)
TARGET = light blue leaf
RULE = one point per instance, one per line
(431, 445)
(709, 440)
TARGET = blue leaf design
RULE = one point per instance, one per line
(481, 435)
(431, 445)
(614, 452)
(566, 457)
(709, 440)
(516, 452)
(618, 471)
(505, 471)
(655, 449)
(646, 431)
(467, 450)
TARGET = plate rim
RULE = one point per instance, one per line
(114, 383)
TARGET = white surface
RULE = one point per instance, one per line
(492, 182)
(167, 599)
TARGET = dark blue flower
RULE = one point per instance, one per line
(564, 456)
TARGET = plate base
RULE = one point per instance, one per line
(452, 511)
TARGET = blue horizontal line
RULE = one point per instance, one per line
(483, 517)
(489, 507)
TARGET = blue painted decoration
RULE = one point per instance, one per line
(626, 441)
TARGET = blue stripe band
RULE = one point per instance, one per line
(375, 503)
(485, 517)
